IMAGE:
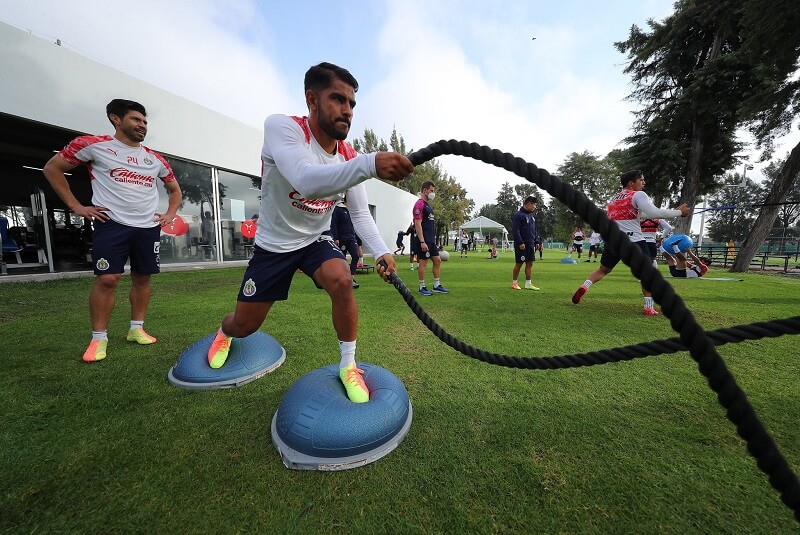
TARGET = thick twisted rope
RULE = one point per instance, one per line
(701, 345)
(728, 335)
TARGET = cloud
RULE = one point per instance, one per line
(434, 90)
(457, 69)
(207, 51)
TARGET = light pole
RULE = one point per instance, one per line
(744, 175)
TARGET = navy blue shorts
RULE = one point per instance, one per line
(113, 243)
(609, 259)
(269, 275)
(526, 255)
(422, 255)
(652, 249)
(675, 272)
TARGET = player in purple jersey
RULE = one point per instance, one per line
(307, 169)
(124, 203)
(426, 248)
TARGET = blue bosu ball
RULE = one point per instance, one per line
(316, 426)
(249, 358)
(568, 260)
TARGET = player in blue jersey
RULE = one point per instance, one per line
(524, 231)
(675, 250)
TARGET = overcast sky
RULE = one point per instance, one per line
(435, 69)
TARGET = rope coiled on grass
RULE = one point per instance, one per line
(701, 344)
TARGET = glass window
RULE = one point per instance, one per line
(240, 199)
(195, 242)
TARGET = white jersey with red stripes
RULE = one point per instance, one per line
(123, 177)
(301, 184)
(650, 226)
(626, 208)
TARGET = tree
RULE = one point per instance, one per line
(771, 43)
(591, 175)
(370, 143)
(545, 221)
(525, 190)
(687, 73)
(594, 177)
(451, 205)
(788, 214)
(733, 223)
(779, 191)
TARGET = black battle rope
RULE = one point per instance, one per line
(719, 337)
(701, 345)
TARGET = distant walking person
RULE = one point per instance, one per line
(126, 225)
(401, 246)
(425, 231)
(344, 235)
(594, 245)
(523, 228)
(414, 245)
(464, 243)
(626, 208)
(577, 240)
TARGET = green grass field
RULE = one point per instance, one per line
(633, 447)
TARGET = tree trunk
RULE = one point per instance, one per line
(766, 218)
(692, 182)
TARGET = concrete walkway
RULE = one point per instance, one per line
(192, 266)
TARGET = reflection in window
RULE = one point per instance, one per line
(239, 204)
(197, 243)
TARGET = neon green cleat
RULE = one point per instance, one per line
(96, 351)
(218, 352)
(140, 337)
(354, 384)
(532, 287)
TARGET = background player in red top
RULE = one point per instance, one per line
(626, 208)
(123, 210)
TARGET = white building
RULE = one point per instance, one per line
(51, 94)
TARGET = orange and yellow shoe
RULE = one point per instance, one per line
(515, 286)
(218, 352)
(96, 351)
(354, 384)
(650, 312)
(140, 337)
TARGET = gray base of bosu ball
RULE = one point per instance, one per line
(316, 427)
(249, 358)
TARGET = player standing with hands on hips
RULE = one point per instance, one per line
(123, 210)
(307, 169)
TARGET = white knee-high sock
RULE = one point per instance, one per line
(348, 352)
